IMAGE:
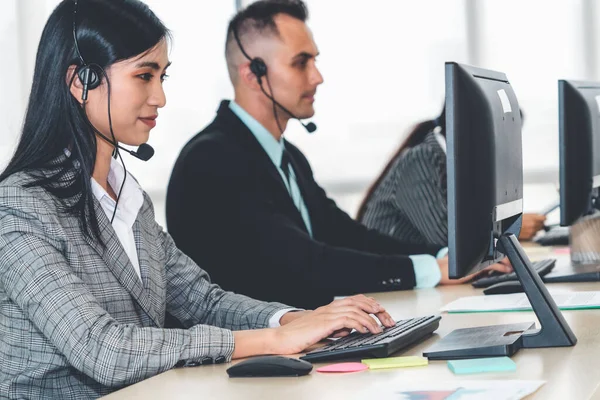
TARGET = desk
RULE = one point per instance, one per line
(569, 372)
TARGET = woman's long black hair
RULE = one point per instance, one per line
(107, 31)
(415, 137)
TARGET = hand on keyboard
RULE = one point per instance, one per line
(336, 319)
(542, 267)
(502, 267)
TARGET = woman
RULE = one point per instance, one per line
(409, 199)
(86, 274)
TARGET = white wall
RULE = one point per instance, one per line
(383, 66)
(535, 54)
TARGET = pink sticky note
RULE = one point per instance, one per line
(562, 250)
(343, 367)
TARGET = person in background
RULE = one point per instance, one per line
(409, 198)
(243, 202)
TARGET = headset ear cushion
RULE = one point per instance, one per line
(258, 67)
(89, 77)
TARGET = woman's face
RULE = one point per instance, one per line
(136, 94)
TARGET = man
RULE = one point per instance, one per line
(247, 197)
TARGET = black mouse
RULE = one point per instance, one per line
(504, 288)
(270, 366)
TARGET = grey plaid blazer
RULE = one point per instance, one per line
(75, 319)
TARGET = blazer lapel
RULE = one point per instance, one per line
(253, 148)
(118, 262)
(112, 254)
(153, 273)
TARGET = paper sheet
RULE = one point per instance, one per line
(519, 302)
(468, 390)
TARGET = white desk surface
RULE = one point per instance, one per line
(569, 372)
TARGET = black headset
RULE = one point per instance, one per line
(88, 74)
(259, 69)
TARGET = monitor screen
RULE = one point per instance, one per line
(485, 166)
(579, 146)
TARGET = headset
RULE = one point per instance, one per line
(90, 77)
(259, 69)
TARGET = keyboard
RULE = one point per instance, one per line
(542, 267)
(368, 345)
(558, 236)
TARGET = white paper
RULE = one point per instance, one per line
(504, 100)
(467, 390)
(519, 302)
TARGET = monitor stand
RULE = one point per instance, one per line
(585, 240)
(505, 340)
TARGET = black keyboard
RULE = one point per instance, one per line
(542, 267)
(558, 236)
(368, 345)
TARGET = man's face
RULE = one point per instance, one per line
(292, 70)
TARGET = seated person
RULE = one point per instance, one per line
(86, 274)
(242, 201)
(409, 199)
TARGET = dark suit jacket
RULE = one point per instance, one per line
(229, 210)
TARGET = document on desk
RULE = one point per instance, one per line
(468, 390)
(519, 302)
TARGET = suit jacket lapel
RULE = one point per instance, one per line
(253, 148)
(153, 273)
(113, 254)
(118, 262)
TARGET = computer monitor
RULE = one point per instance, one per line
(579, 144)
(485, 167)
(485, 205)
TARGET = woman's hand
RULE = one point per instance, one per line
(337, 319)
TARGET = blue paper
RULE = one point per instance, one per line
(479, 365)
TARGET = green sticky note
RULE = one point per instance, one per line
(395, 362)
(479, 365)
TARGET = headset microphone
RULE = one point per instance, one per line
(144, 151)
(310, 127)
(259, 69)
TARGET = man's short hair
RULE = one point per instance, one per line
(259, 19)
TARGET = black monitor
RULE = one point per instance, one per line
(485, 205)
(579, 144)
(485, 167)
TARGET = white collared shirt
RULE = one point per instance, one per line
(129, 206)
(130, 203)
(440, 138)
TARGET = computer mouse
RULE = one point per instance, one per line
(270, 366)
(504, 288)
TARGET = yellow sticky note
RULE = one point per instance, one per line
(395, 362)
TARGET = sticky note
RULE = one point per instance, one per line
(562, 250)
(395, 362)
(343, 367)
(505, 101)
(479, 365)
